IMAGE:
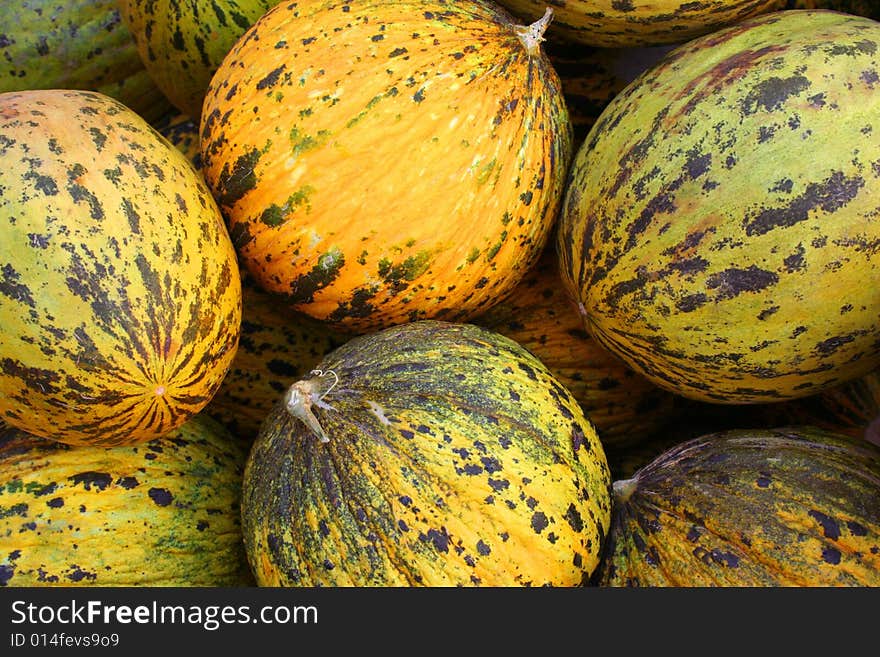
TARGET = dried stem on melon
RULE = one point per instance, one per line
(532, 35)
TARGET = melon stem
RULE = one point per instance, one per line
(532, 35)
(299, 400)
(623, 489)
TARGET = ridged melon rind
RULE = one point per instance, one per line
(453, 458)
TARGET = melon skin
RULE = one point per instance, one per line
(381, 163)
(622, 405)
(453, 458)
(706, 244)
(75, 44)
(637, 23)
(120, 301)
(183, 132)
(161, 513)
(180, 43)
(791, 506)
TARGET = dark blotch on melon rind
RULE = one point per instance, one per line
(325, 271)
(233, 184)
(830, 195)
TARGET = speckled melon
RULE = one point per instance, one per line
(635, 23)
(182, 42)
(120, 293)
(161, 513)
(75, 44)
(428, 454)
(380, 163)
(707, 243)
(623, 406)
(778, 507)
(183, 132)
(277, 347)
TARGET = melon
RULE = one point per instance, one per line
(76, 44)
(380, 163)
(792, 506)
(120, 292)
(165, 512)
(181, 43)
(183, 132)
(639, 23)
(706, 244)
(427, 454)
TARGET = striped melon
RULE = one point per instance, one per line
(75, 44)
(182, 42)
(160, 513)
(706, 243)
(426, 454)
(775, 507)
(120, 293)
(380, 163)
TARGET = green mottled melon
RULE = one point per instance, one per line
(182, 42)
(120, 292)
(774, 507)
(161, 513)
(623, 405)
(635, 23)
(720, 228)
(428, 454)
(277, 346)
(75, 44)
